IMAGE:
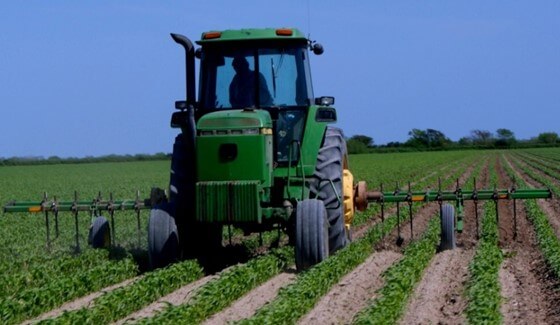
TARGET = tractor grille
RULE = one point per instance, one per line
(228, 202)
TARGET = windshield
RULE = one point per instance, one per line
(249, 77)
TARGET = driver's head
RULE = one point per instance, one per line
(240, 64)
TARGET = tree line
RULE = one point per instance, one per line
(54, 160)
(431, 139)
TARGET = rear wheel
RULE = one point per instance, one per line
(327, 185)
(447, 227)
(163, 239)
(100, 233)
(312, 233)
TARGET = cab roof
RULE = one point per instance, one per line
(251, 35)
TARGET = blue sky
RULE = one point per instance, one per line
(81, 78)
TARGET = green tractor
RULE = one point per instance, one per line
(255, 151)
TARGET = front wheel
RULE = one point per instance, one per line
(163, 239)
(312, 233)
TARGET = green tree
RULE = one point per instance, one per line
(427, 138)
(505, 138)
(481, 137)
(359, 144)
(548, 138)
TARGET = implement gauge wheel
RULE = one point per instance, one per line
(312, 233)
(326, 185)
(447, 227)
(100, 233)
(163, 239)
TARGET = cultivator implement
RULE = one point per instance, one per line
(100, 232)
(451, 215)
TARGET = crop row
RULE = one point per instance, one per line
(550, 168)
(548, 241)
(543, 160)
(483, 288)
(549, 153)
(401, 279)
(530, 171)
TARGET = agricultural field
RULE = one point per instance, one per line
(505, 268)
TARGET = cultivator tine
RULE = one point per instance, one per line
(400, 240)
(495, 198)
(75, 213)
(460, 204)
(514, 212)
(43, 203)
(54, 209)
(137, 206)
(111, 209)
(475, 200)
(409, 200)
(382, 205)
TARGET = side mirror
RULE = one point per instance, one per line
(326, 114)
(179, 119)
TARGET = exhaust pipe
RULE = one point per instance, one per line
(189, 57)
(190, 85)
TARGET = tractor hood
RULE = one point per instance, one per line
(235, 145)
(246, 121)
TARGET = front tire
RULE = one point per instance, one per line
(312, 233)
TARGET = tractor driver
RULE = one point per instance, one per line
(242, 86)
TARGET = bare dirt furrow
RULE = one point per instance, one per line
(246, 306)
(353, 292)
(527, 288)
(439, 297)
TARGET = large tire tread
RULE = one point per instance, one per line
(330, 164)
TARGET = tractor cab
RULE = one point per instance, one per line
(265, 69)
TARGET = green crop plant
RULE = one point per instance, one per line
(31, 302)
(483, 288)
(37, 275)
(401, 278)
